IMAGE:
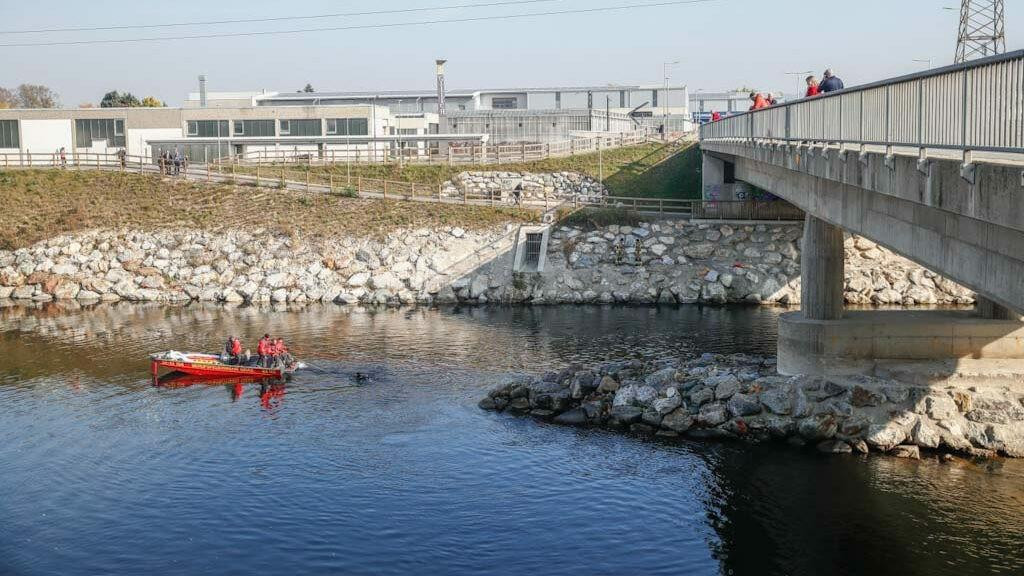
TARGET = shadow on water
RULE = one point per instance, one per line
(377, 461)
(778, 510)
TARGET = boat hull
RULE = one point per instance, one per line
(210, 366)
(216, 370)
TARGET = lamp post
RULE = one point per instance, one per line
(799, 76)
(665, 68)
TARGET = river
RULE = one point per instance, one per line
(400, 473)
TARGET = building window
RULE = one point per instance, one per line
(254, 128)
(9, 134)
(208, 128)
(301, 127)
(348, 126)
(109, 129)
(239, 128)
(504, 103)
(531, 254)
(358, 127)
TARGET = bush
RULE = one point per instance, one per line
(347, 192)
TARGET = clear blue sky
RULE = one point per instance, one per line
(720, 45)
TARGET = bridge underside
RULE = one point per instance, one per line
(971, 232)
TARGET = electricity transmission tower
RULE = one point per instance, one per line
(982, 31)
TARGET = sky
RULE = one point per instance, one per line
(718, 44)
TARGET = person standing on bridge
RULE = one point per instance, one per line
(831, 83)
(758, 100)
(812, 87)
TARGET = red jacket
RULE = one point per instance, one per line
(759, 102)
(263, 347)
(236, 348)
(812, 91)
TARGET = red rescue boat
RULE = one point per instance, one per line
(210, 365)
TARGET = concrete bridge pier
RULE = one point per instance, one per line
(822, 272)
(823, 339)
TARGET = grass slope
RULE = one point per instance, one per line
(40, 204)
(656, 170)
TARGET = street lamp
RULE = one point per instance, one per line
(398, 131)
(664, 69)
(800, 75)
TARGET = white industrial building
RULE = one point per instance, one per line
(508, 115)
(362, 125)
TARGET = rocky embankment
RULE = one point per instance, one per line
(670, 261)
(742, 397)
(500, 185)
(680, 261)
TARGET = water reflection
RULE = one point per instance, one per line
(376, 460)
(864, 515)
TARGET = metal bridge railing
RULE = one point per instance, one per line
(975, 106)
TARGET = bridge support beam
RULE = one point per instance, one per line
(822, 270)
(986, 308)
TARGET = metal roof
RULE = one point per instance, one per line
(468, 93)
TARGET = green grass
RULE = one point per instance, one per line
(651, 170)
(672, 173)
(40, 204)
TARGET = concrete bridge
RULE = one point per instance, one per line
(929, 165)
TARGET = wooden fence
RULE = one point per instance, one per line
(303, 179)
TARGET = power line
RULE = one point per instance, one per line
(618, 8)
(278, 18)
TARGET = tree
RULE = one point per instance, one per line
(151, 102)
(113, 99)
(308, 89)
(8, 99)
(37, 96)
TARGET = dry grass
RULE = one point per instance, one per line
(38, 204)
(658, 170)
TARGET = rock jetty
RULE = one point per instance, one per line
(742, 397)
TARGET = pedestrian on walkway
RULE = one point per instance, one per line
(812, 87)
(758, 100)
(831, 82)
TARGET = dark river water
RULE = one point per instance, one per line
(103, 473)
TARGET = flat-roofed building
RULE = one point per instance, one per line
(534, 110)
(205, 134)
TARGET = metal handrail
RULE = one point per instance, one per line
(974, 106)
